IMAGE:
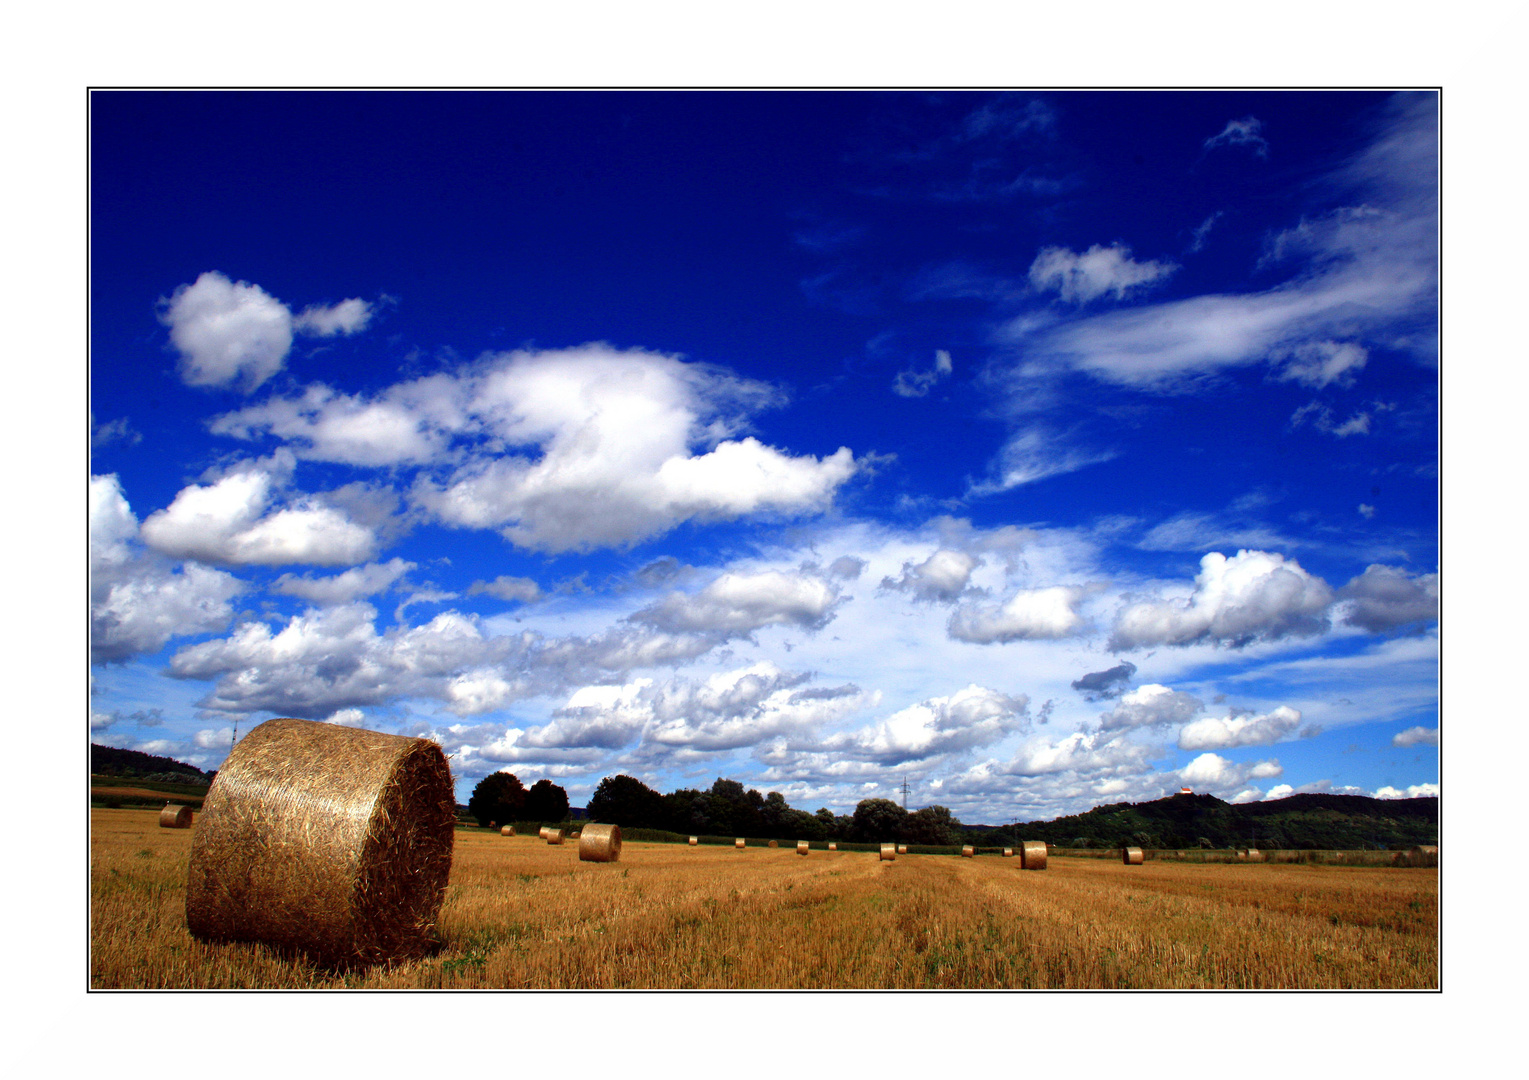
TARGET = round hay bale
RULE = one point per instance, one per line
(541, 833)
(833, 847)
(1008, 852)
(888, 853)
(1132, 856)
(508, 830)
(968, 852)
(1032, 855)
(329, 840)
(1254, 855)
(738, 843)
(1424, 855)
(902, 849)
(694, 840)
(600, 843)
(774, 844)
(175, 817)
(554, 836)
(574, 835)
(801, 847)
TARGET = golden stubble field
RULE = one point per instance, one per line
(520, 913)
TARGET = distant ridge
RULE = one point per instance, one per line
(1312, 820)
(113, 761)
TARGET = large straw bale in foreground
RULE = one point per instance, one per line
(888, 853)
(1032, 855)
(330, 840)
(600, 843)
(1132, 856)
(175, 817)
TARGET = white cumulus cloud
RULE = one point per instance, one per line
(227, 331)
(1029, 615)
(1252, 595)
(739, 604)
(1216, 733)
(942, 576)
(1416, 736)
(1150, 705)
(1386, 597)
(346, 317)
(353, 584)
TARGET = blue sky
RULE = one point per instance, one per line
(1043, 449)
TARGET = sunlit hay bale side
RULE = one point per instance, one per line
(1254, 855)
(541, 833)
(554, 836)
(888, 853)
(600, 843)
(694, 840)
(738, 843)
(329, 840)
(1131, 856)
(773, 844)
(833, 847)
(968, 852)
(1032, 855)
(508, 830)
(574, 835)
(1008, 852)
(801, 847)
(175, 817)
(902, 849)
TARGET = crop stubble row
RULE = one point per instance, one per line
(519, 913)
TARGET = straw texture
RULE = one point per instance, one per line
(541, 833)
(902, 849)
(554, 836)
(1132, 856)
(1032, 855)
(738, 843)
(774, 844)
(888, 852)
(600, 843)
(329, 840)
(833, 847)
(968, 852)
(801, 847)
(694, 840)
(508, 830)
(175, 817)
(1008, 852)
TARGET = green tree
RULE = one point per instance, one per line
(545, 802)
(626, 801)
(498, 797)
(931, 825)
(878, 821)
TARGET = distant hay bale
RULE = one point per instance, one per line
(694, 840)
(738, 843)
(600, 843)
(554, 836)
(1131, 856)
(833, 847)
(801, 847)
(1254, 855)
(508, 830)
(968, 852)
(175, 817)
(574, 835)
(1032, 855)
(902, 849)
(328, 840)
(773, 844)
(541, 833)
(888, 852)
(1007, 852)
(1423, 855)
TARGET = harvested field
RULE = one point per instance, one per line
(534, 916)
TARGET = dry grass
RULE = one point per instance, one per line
(520, 913)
